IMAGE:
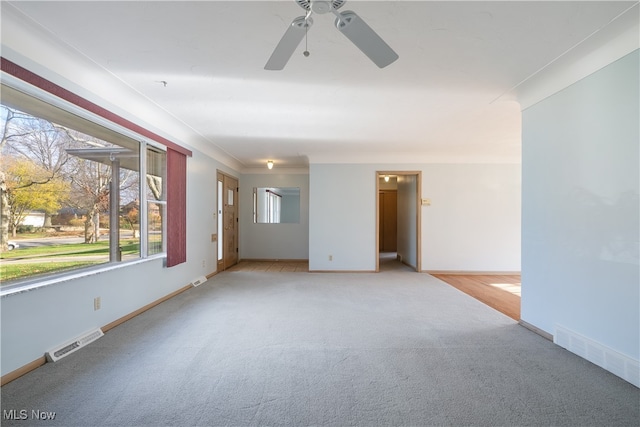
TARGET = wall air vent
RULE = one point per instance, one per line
(599, 354)
(199, 281)
(69, 347)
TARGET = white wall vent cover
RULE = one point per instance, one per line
(199, 281)
(613, 361)
(69, 347)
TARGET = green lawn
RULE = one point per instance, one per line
(17, 270)
(128, 247)
(21, 271)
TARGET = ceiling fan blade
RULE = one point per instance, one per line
(365, 39)
(288, 44)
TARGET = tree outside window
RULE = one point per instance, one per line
(86, 190)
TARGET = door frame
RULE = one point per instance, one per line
(220, 219)
(418, 214)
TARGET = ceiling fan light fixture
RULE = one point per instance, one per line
(320, 6)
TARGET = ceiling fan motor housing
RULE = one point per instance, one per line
(320, 6)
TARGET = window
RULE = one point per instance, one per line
(276, 205)
(273, 206)
(117, 139)
(266, 205)
(73, 196)
(156, 201)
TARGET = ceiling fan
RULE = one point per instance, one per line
(348, 23)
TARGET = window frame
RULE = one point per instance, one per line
(24, 83)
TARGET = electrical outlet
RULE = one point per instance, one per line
(96, 303)
(203, 265)
(330, 257)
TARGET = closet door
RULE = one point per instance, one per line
(388, 220)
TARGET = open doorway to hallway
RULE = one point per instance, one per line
(398, 219)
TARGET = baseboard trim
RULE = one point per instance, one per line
(143, 309)
(272, 260)
(7, 378)
(342, 271)
(473, 273)
(537, 330)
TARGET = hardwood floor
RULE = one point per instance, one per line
(275, 266)
(501, 292)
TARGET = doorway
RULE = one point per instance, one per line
(227, 221)
(398, 197)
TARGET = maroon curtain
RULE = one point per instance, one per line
(176, 208)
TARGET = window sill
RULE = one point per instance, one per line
(31, 285)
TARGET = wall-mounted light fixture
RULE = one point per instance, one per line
(386, 178)
(270, 164)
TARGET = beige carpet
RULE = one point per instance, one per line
(301, 349)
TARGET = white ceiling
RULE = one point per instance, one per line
(449, 96)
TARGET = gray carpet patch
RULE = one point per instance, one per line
(301, 349)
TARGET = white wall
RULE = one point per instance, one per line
(273, 241)
(581, 219)
(201, 210)
(342, 215)
(473, 223)
(407, 220)
(35, 321)
(290, 209)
